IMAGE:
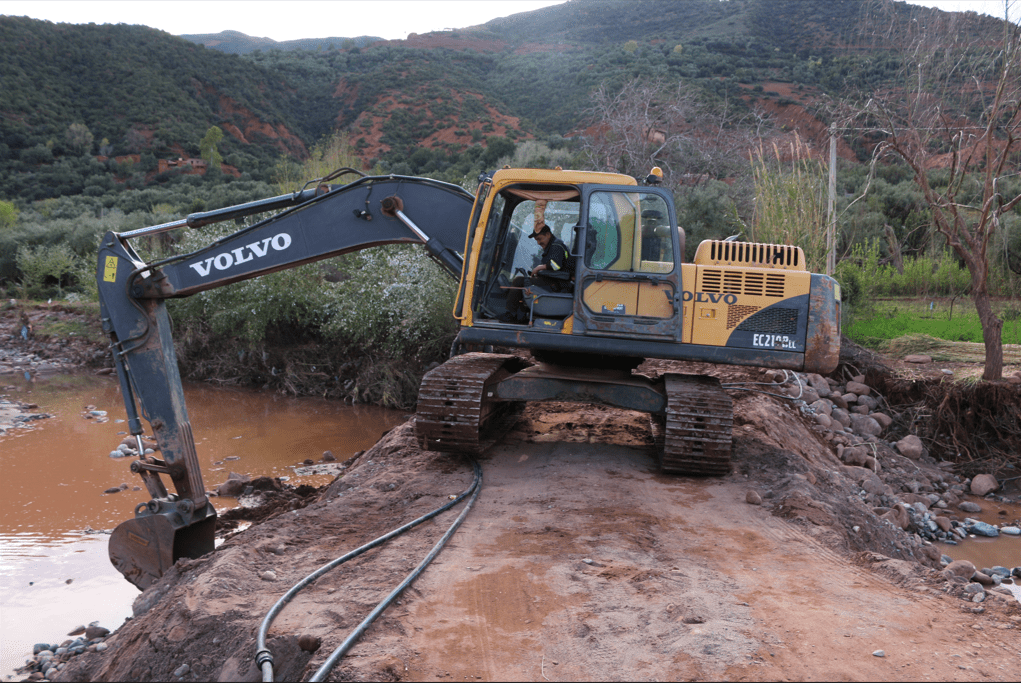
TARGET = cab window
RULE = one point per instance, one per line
(629, 231)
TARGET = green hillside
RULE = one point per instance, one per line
(77, 100)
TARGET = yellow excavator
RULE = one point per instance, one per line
(623, 294)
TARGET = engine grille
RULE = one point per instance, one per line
(742, 282)
(772, 320)
(780, 256)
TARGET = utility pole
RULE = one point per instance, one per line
(831, 213)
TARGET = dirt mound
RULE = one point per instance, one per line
(578, 561)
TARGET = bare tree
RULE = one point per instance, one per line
(661, 123)
(954, 117)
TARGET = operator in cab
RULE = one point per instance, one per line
(554, 272)
(555, 258)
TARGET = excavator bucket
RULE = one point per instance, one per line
(144, 548)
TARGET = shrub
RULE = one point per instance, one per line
(45, 267)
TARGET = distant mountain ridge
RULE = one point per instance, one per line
(238, 43)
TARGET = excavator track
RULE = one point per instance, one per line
(697, 435)
(454, 415)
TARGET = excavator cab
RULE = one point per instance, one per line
(623, 242)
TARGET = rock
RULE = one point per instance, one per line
(959, 568)
(974, 589)
(40, 647)
(328, 456)
(268, 576)
(234, 485)
(821, 407)
(858, 389)
(873, 484)
(859, 410)
(94, 631)
(115, 489)
(838, 401)
(912, 498)
(854, 456)
(911, 447)
(878, 653)
(823, 420)
(918, 358)
(898, 516)
(77, 631)
(819, 383)
(182, 670)
(865, 425)
(1002, 572)
(809, 395)
(868, 402)
(983, 484)
(983, 579)
(309, 643)
(983, 529)
(753, 498)
(968, 506)
(1010, 530)
(883, 419)
(101, 646)
(841, 416)
(849, 398)
(943, 523)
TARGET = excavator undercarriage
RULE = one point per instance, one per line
(463, 404)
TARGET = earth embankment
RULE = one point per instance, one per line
(577, 562)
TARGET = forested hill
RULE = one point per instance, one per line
(237, 43)
(72, 93)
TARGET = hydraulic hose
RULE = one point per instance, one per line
(264, 658)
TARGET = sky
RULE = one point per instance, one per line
(292, 19)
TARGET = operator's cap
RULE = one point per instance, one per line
(540, 219)
(539, 229)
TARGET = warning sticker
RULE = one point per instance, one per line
(110, 269)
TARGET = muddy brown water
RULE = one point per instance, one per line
(55, 574)
(981, 551)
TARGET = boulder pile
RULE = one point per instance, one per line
(48, 659)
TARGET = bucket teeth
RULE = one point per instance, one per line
(699, 419)
(454, 415)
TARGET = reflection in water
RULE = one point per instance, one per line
(54, 476)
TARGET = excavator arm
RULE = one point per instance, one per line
(313, 225)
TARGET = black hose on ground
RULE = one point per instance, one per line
(264, 658)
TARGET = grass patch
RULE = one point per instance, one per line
(54, 326)
(954, 320)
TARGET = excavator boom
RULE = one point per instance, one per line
(327, 222)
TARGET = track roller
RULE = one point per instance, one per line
(454, 413)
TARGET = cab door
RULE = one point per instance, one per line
(627, 275)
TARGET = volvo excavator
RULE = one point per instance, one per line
(628, 295)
